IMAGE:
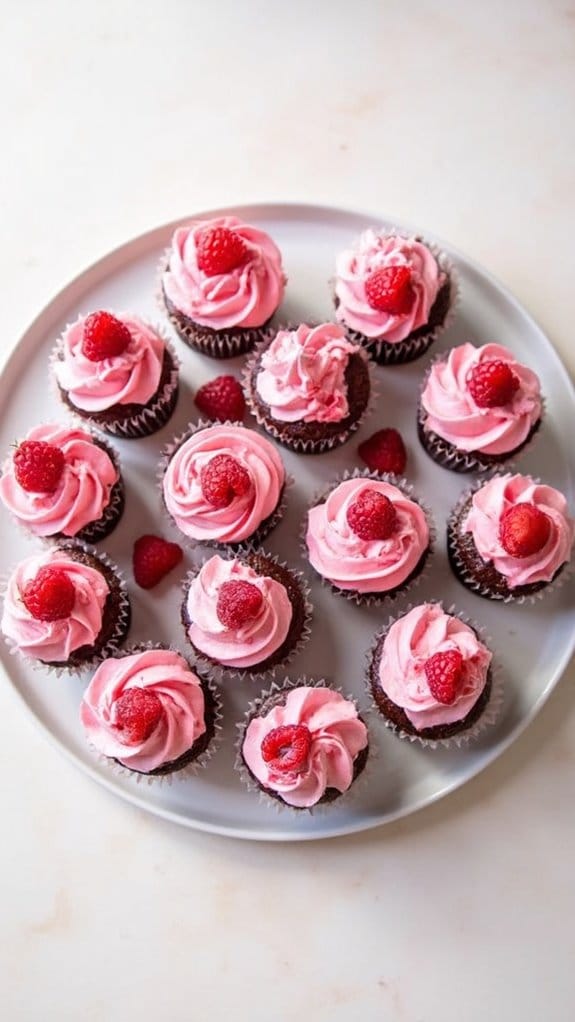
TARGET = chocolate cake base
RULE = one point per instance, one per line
(226, 343)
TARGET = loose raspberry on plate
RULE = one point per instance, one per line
(372, 516)
(38, 466)
(220, 250)
(389, 290)
(138, 713)
(384, 451)
(222, 398)
(524, 530)
(222, 479)
(286, 749)
(443, 672)
(50, 596)
(492, 384)
(105, 336)
(238, 602)
(152, 559)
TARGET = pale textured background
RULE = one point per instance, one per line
(460, 118)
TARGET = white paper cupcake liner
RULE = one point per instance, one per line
(489, 715)
(250, 782)
(221, 672)
(377, 598)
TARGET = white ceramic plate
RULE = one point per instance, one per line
(533, 643)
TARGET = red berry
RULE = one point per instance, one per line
(389, 290)
(50, 595)
(220, 250)
(222, 479)
(524, 530)
(286, 749)
(384, 451)
(443, 672)
(222, 398)
(38, 466)
(238, 603)
(372, 516)
(104, 336)
(153, 558)
(138, 713)
(492, 384)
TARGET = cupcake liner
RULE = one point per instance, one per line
(221, 672)
(265, 527)
(246, 777)
(276, 429)
(463, 575)
(490, 713)
(422, 569)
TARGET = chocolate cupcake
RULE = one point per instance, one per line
(510, 538)
(309, 387)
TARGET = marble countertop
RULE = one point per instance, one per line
(453, 116)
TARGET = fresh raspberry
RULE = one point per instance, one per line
(222, 398)
(50, 595)
(389, 290)
(222, 479)
(152, 559)
(384, 451)
(138, 713)
(443, 672)
(524, 530)
(104, 336)
(286, 749)
(38, 466)
(372, 516)
(220, 250)
(492, 384)
(238, 603)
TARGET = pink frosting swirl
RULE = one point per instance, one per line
(257, 639)
(337, 738)
(489, 504)
(130, 378)
(242, 517)
(54, 641)
(83, 492)
(179, 690)
(366, 566)
(374, 251)
(243, 297)
(453, 414)
(302, 375)
(418, 635)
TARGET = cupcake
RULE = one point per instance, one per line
(247, 614)
(221, 283)
(393, 294)
(303, 745)
(65, 608)
(223, 484)
(309, 388)
(430, 676)
(510, 538)
(150, 713)
(118, 373)
(63, 482)
(367, 537)
(479, 407)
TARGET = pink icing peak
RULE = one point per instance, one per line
(375, 250)
(82, 495)
(453, 414)
(410, 642)
(246, 296)
(489, 504)
(337, 738)
(302, 374)
(168, 676)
